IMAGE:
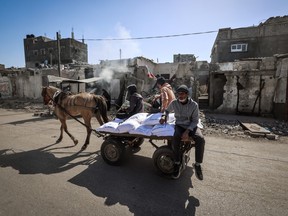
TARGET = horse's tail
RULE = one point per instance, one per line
(102, 107)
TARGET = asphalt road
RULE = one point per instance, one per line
(39, 177)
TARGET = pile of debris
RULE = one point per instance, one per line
(213, 126)
(271, 129)
(29, 105)
(216, 126)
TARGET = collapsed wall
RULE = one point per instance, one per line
(250, 87)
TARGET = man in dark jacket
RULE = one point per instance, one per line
(187, 117)
(107, 97)
(136, 104)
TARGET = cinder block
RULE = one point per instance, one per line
(271, 136)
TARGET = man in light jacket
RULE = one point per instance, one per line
(166, 93)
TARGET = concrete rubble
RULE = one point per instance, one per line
(232, 125)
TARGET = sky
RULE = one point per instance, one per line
(117, 19)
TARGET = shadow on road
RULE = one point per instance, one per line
(41, 160)
(28, 120)
(137, 186)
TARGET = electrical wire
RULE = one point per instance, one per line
(148, 37)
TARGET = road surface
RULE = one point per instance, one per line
(39, 177)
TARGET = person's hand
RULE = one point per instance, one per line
(163, 119)
(185, 136)
(156, 97)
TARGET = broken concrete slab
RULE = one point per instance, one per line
(255, 135)
(271, 136)
(255, 128)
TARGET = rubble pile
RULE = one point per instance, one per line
(211, 125)
(23, 104)
(276, 127)
(232, 128)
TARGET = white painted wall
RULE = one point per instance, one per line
(29, 86)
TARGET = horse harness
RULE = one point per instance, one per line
(59, 95)
(56, 99)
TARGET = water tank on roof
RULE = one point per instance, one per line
(30, 36)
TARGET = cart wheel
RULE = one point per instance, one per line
(164, 159)
(112, 152)
(138, 142)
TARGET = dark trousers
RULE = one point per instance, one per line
(199, 143)
(122, 115)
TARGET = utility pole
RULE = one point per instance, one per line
(58, 49)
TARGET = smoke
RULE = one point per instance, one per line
(117, 49)
(108, 71)
(107, 74)
(117, 52)
(129, 48)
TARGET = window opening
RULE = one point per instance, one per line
(239, 47)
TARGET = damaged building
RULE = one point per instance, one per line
(112, 75)
(42, 51)
(249, 69)
(265, 40)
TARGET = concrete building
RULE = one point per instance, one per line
(177, 58)
(248, 70)
(265, 40)
(257, 87)
(41, 51)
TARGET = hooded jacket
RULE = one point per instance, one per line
(136, 104)
(167, 95)
(187, 115)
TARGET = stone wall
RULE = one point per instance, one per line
(5, 87)
(281, 90)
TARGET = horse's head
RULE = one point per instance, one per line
(47, 94)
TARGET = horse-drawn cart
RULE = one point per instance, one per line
(115, 145)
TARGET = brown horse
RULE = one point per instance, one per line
(69, 105)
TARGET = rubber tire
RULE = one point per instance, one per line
(164, 160)
(138, 143)
(112, 152)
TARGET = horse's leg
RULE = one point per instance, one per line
(64, 126)
(101, 109)
(87, 120)
(61, 133)
(98, 117)
(102, 105)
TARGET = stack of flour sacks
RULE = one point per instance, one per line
(142, 124)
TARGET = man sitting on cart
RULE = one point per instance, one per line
(187, 116)
(136, 104)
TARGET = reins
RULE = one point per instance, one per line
(63, 109)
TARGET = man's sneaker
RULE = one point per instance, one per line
(177, 171)
(198, 171)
